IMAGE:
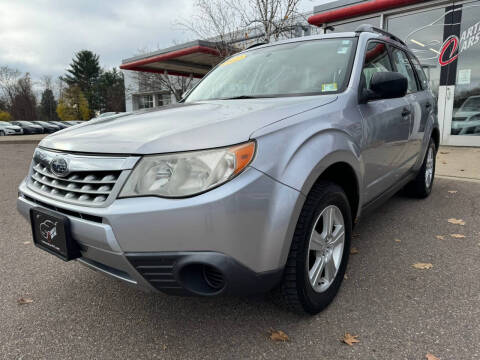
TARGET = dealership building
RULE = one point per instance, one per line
(444, 35)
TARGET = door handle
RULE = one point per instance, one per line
(406, 112)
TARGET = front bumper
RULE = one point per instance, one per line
(241, 229)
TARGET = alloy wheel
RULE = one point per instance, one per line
(429, 168)
(325, 249)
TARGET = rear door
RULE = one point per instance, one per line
(419, 105)
(386, 127)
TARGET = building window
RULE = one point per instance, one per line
(163, 99)
(145, 101)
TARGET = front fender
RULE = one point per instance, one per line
(298, 162)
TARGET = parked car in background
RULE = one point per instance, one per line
(466, 120)
(61, 124)
(48, 128)
(9, 129)
(28, 127)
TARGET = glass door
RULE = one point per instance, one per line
(446, 40)
(464, 123)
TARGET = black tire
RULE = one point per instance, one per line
(2, 133)
(418, 187)
(295, 288)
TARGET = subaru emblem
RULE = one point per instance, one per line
(59, 166)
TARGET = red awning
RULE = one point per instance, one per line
(191, 59)
(363, 8)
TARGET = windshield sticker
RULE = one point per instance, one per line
(329, 87)
(342, 50)
(234, 60)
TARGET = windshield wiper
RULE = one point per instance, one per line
(240, 97)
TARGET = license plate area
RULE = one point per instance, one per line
(51, 232)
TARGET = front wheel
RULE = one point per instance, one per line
(319, 252)
(422, 185)
(2, 133)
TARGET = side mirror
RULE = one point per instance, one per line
(386, 85)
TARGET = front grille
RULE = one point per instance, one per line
(64, 211)
(81, 186)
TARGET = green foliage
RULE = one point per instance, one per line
(84, 72)
(48, 106)
(111, 90)
(73, 105)
(5, 116)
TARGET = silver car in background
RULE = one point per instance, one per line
(9, 129)
(253, 182)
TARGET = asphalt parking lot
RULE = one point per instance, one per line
(397, 311)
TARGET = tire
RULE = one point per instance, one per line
(2, 133)
(296, 287)
(422, 185)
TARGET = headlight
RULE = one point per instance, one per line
(188, 173)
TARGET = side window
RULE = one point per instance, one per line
(403, 66)
(421, 74)
(376, 60)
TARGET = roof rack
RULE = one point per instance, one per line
(370, 28)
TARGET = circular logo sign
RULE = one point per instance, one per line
(59, 166)
(446, 57)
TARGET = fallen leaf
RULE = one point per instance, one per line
(444, 152)
(353, 250)
(349, 339)
(164, 347)
(440, 237)
(26, 242)
(452, 191)
(431, 357)
(23, 301)
(422, 266)
(462, 170)
(456, 221)
(345, 276)
(444, 162)
(278, 335)
(398, 240)
(457, 236)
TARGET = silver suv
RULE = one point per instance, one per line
(253, 182)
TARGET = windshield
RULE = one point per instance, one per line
(25, 123)
(471, 104)
(300, 68)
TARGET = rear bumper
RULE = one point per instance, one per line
(239, 232)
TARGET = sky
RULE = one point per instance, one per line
(41, 36)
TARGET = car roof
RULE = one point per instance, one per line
(339, 35)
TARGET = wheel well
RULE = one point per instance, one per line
(436, 137)
(343, 175)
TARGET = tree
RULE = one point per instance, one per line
(273, 18)
(228, 22)
(48, 106)
(111, 90)
(73, 105)
(23, 104)
(84, 72)
(8, 83)
(5, 116)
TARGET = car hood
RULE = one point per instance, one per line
(181, 127)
